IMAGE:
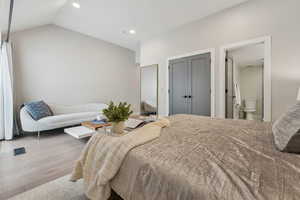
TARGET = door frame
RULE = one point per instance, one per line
(212, 52)
(267, 73)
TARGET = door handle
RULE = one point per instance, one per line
(185, 96)
(190, 96)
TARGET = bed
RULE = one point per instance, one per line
(211, 159)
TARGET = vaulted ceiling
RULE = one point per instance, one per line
(110, 20)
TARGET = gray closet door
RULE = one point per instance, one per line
(189, 85)
(178, 87)
(200, 85)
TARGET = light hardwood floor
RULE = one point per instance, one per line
(50, 157)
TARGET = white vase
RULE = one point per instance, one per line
(118, 127)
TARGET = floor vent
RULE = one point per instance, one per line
(19, 151)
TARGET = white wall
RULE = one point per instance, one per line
(256, 18)
(251, 86)
(248, 54)
(65, 67)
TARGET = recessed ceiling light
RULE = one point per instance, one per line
(76, 5)
(132, 32)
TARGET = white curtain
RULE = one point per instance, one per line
(6, 92)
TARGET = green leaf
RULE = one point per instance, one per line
(118, 113)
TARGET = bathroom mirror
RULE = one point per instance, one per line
(149, 90)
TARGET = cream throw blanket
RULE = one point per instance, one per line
(103, 155)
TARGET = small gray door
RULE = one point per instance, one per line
(190, 85)
(178, 82)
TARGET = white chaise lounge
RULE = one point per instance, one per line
(63, 116)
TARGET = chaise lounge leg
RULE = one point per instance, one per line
(38, 134)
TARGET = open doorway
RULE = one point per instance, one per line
(244, 82)
(247, 80)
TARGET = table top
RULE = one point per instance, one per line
(94, 126)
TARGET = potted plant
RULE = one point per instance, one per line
(117, 115)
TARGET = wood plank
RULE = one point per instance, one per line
(47, 159)
(95, 126)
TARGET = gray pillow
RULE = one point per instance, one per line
(286, 130)
(38, 109)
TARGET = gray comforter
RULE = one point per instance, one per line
(209, 159)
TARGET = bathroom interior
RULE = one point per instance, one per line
(245, 82)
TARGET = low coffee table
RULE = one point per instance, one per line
(80, 132)
(95, 126)
(87, 129)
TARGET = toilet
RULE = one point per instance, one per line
(250, 109)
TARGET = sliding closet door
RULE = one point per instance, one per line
(178, 84)
(200, 72)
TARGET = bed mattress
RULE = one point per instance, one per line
(211, 159)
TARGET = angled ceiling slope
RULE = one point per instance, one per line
(29, 13)
(109, 19)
